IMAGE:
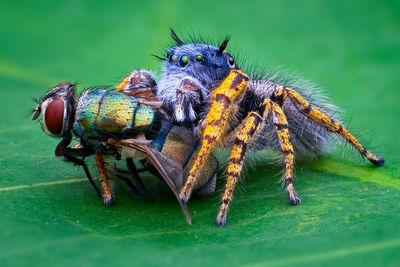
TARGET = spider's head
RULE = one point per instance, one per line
(205, 65)
(57, 109)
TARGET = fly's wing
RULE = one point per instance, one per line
(167, 167)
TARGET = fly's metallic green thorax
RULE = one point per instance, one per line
(102, 112)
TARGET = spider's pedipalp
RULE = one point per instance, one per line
(189, 96)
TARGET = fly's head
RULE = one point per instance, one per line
(57, 107)
(203, 65)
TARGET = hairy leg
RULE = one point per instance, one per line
(318, 116)
(282, 130)
(216, 123)
(248, 129)
(137, 79)
(107, 192)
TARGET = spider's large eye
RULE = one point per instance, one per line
(184, 60)
(231, 62)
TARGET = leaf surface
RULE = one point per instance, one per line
(350, 213)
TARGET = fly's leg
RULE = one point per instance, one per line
(128, 182)
(105, 183)
(316, 115)
(249, 128)
(121, 174)
(138, 181)
(72, 153)
(282, 130)
(216, 123)
(82, 163)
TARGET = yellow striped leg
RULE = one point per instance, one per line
(223, 100)
(107, 192)
(250, 127)
(282, 130)
(120, 87)
(333, 126)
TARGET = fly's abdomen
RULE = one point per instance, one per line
(102, 112)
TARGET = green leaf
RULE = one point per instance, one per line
(350, 213)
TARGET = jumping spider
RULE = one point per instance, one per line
(205, 89)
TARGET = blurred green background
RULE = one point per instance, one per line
(350, 212)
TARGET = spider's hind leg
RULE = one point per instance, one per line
(282, 130)
(333, 126)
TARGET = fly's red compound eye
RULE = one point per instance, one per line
(54, 117)
(63, 83)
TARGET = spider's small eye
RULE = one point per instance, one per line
(184, 60)
(173, 58)
(199, 58)
(231, 62)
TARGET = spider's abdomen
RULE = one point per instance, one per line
(309, 139)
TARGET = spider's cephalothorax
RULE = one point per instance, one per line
(247, 113)
(190, 70)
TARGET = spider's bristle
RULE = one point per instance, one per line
(223, 45)
(175, 37)
(158, 57)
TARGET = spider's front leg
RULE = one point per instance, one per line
(223, 101)
(136, 80)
